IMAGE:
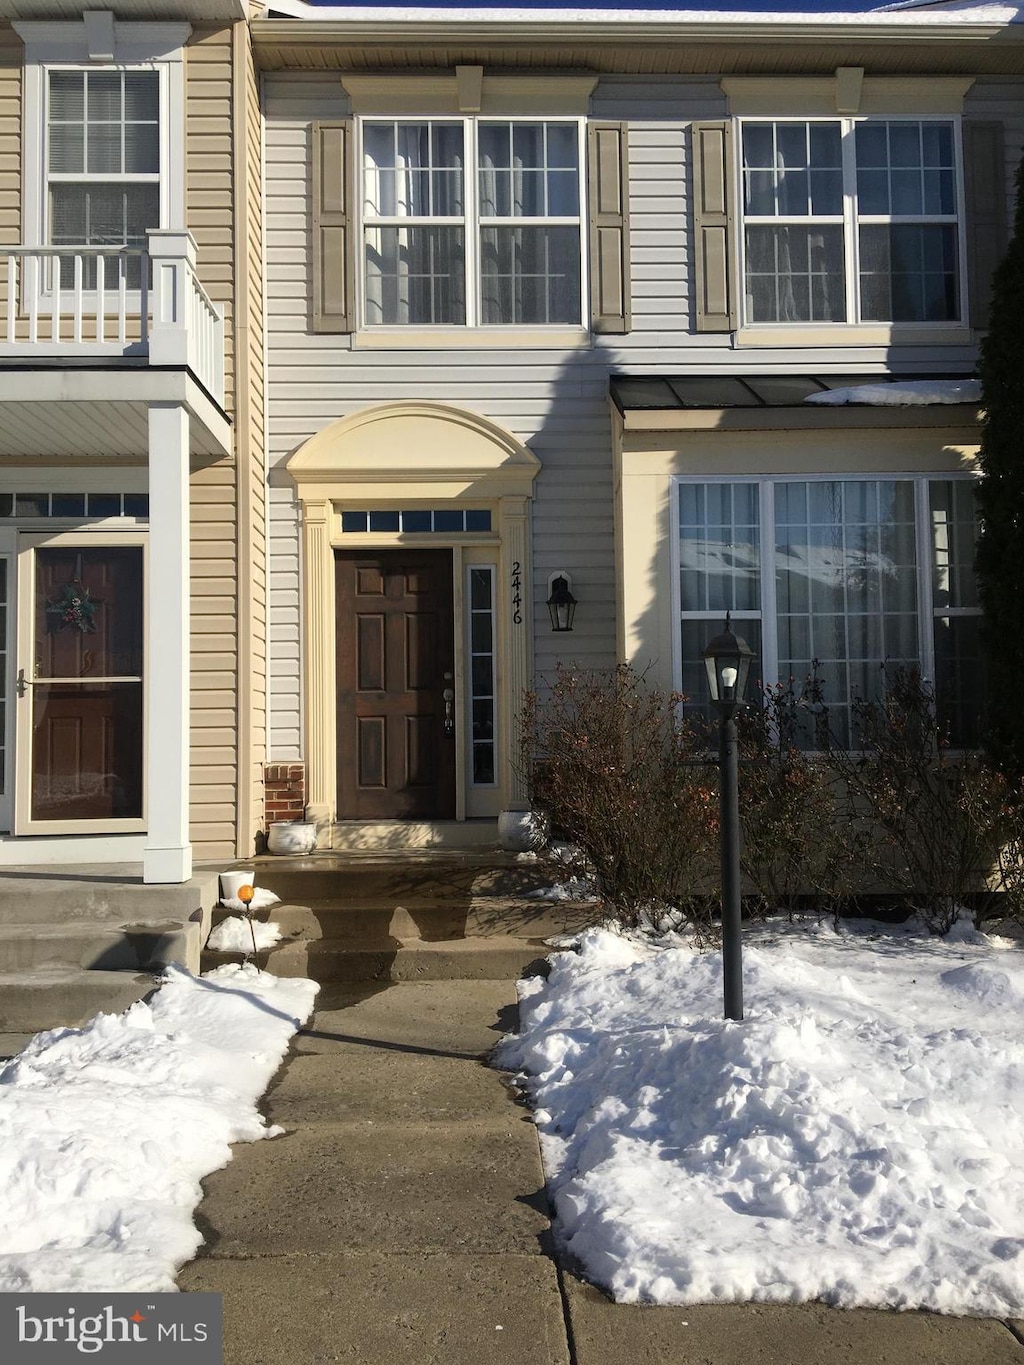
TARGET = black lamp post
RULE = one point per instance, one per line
(561, 604)
(727, 660)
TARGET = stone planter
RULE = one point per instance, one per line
(521, 831)
(292, 836)
(231, 881)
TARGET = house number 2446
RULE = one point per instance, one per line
(517, 593)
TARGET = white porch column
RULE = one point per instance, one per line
(168, 853)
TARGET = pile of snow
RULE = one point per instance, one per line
(234, 935)
(107, 1130)
(858, 1139)
(911, 393)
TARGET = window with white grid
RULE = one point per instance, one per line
(842, 579)
(472, 222)
(103, 166)
(851, 220)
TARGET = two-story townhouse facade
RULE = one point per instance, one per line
(564, 296)
(132, 560)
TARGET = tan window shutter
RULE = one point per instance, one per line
(985, 193)
(609, 227)
(713, 226)
(333, 245)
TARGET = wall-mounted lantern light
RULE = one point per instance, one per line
(561, 604)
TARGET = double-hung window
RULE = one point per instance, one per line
(842, 578)
(102, 167)
(471, 223)
(851, 221)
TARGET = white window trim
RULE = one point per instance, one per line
(66, 46)
(766, 614)
(563, 333)
(873, 332)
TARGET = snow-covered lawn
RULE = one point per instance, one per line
(858, 1138)
(107, 1130)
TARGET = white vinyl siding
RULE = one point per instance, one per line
(554, 399)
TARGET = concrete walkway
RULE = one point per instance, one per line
(401, 1220)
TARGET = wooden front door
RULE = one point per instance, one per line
(396, 662)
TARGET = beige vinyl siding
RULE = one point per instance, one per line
(213, 767)
(210, 217)
(252, 541)
(10, 136)
(10, 146)
(209, 174)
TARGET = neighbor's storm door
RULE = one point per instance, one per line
(79, 688)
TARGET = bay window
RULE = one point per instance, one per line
(851, 220)
(840, 578)
(471, 222)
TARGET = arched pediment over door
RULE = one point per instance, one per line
(391, 460)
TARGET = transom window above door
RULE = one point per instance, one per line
(852, 220)
(472, 222)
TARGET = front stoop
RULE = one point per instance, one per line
(82, 941)
(423, 915)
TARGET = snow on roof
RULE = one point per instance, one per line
(965, 11)
(914, 393)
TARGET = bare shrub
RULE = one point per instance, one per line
(796, 849)
(939, 815)
(620, 772)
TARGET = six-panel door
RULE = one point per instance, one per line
(396, 691)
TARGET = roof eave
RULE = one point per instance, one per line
(401, 33)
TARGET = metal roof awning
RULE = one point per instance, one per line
(763, 401)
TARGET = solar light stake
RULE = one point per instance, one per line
(727, 660)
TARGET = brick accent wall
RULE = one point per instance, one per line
(285, 791)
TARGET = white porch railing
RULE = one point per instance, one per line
(96, 301)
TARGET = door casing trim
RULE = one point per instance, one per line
(408, 455)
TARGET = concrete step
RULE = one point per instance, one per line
(493, 958)
(100, 945)
(398, 878)
(479, 918)
(46, 896)
(54, 997)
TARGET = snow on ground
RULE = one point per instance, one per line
(107, 1130)
(233, 935)
(858, 1138)
(905, 393)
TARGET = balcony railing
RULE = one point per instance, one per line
(87, 302)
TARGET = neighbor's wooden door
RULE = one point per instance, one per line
(80, 689)
(395, 663)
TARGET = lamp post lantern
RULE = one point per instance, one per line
(727, 660)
